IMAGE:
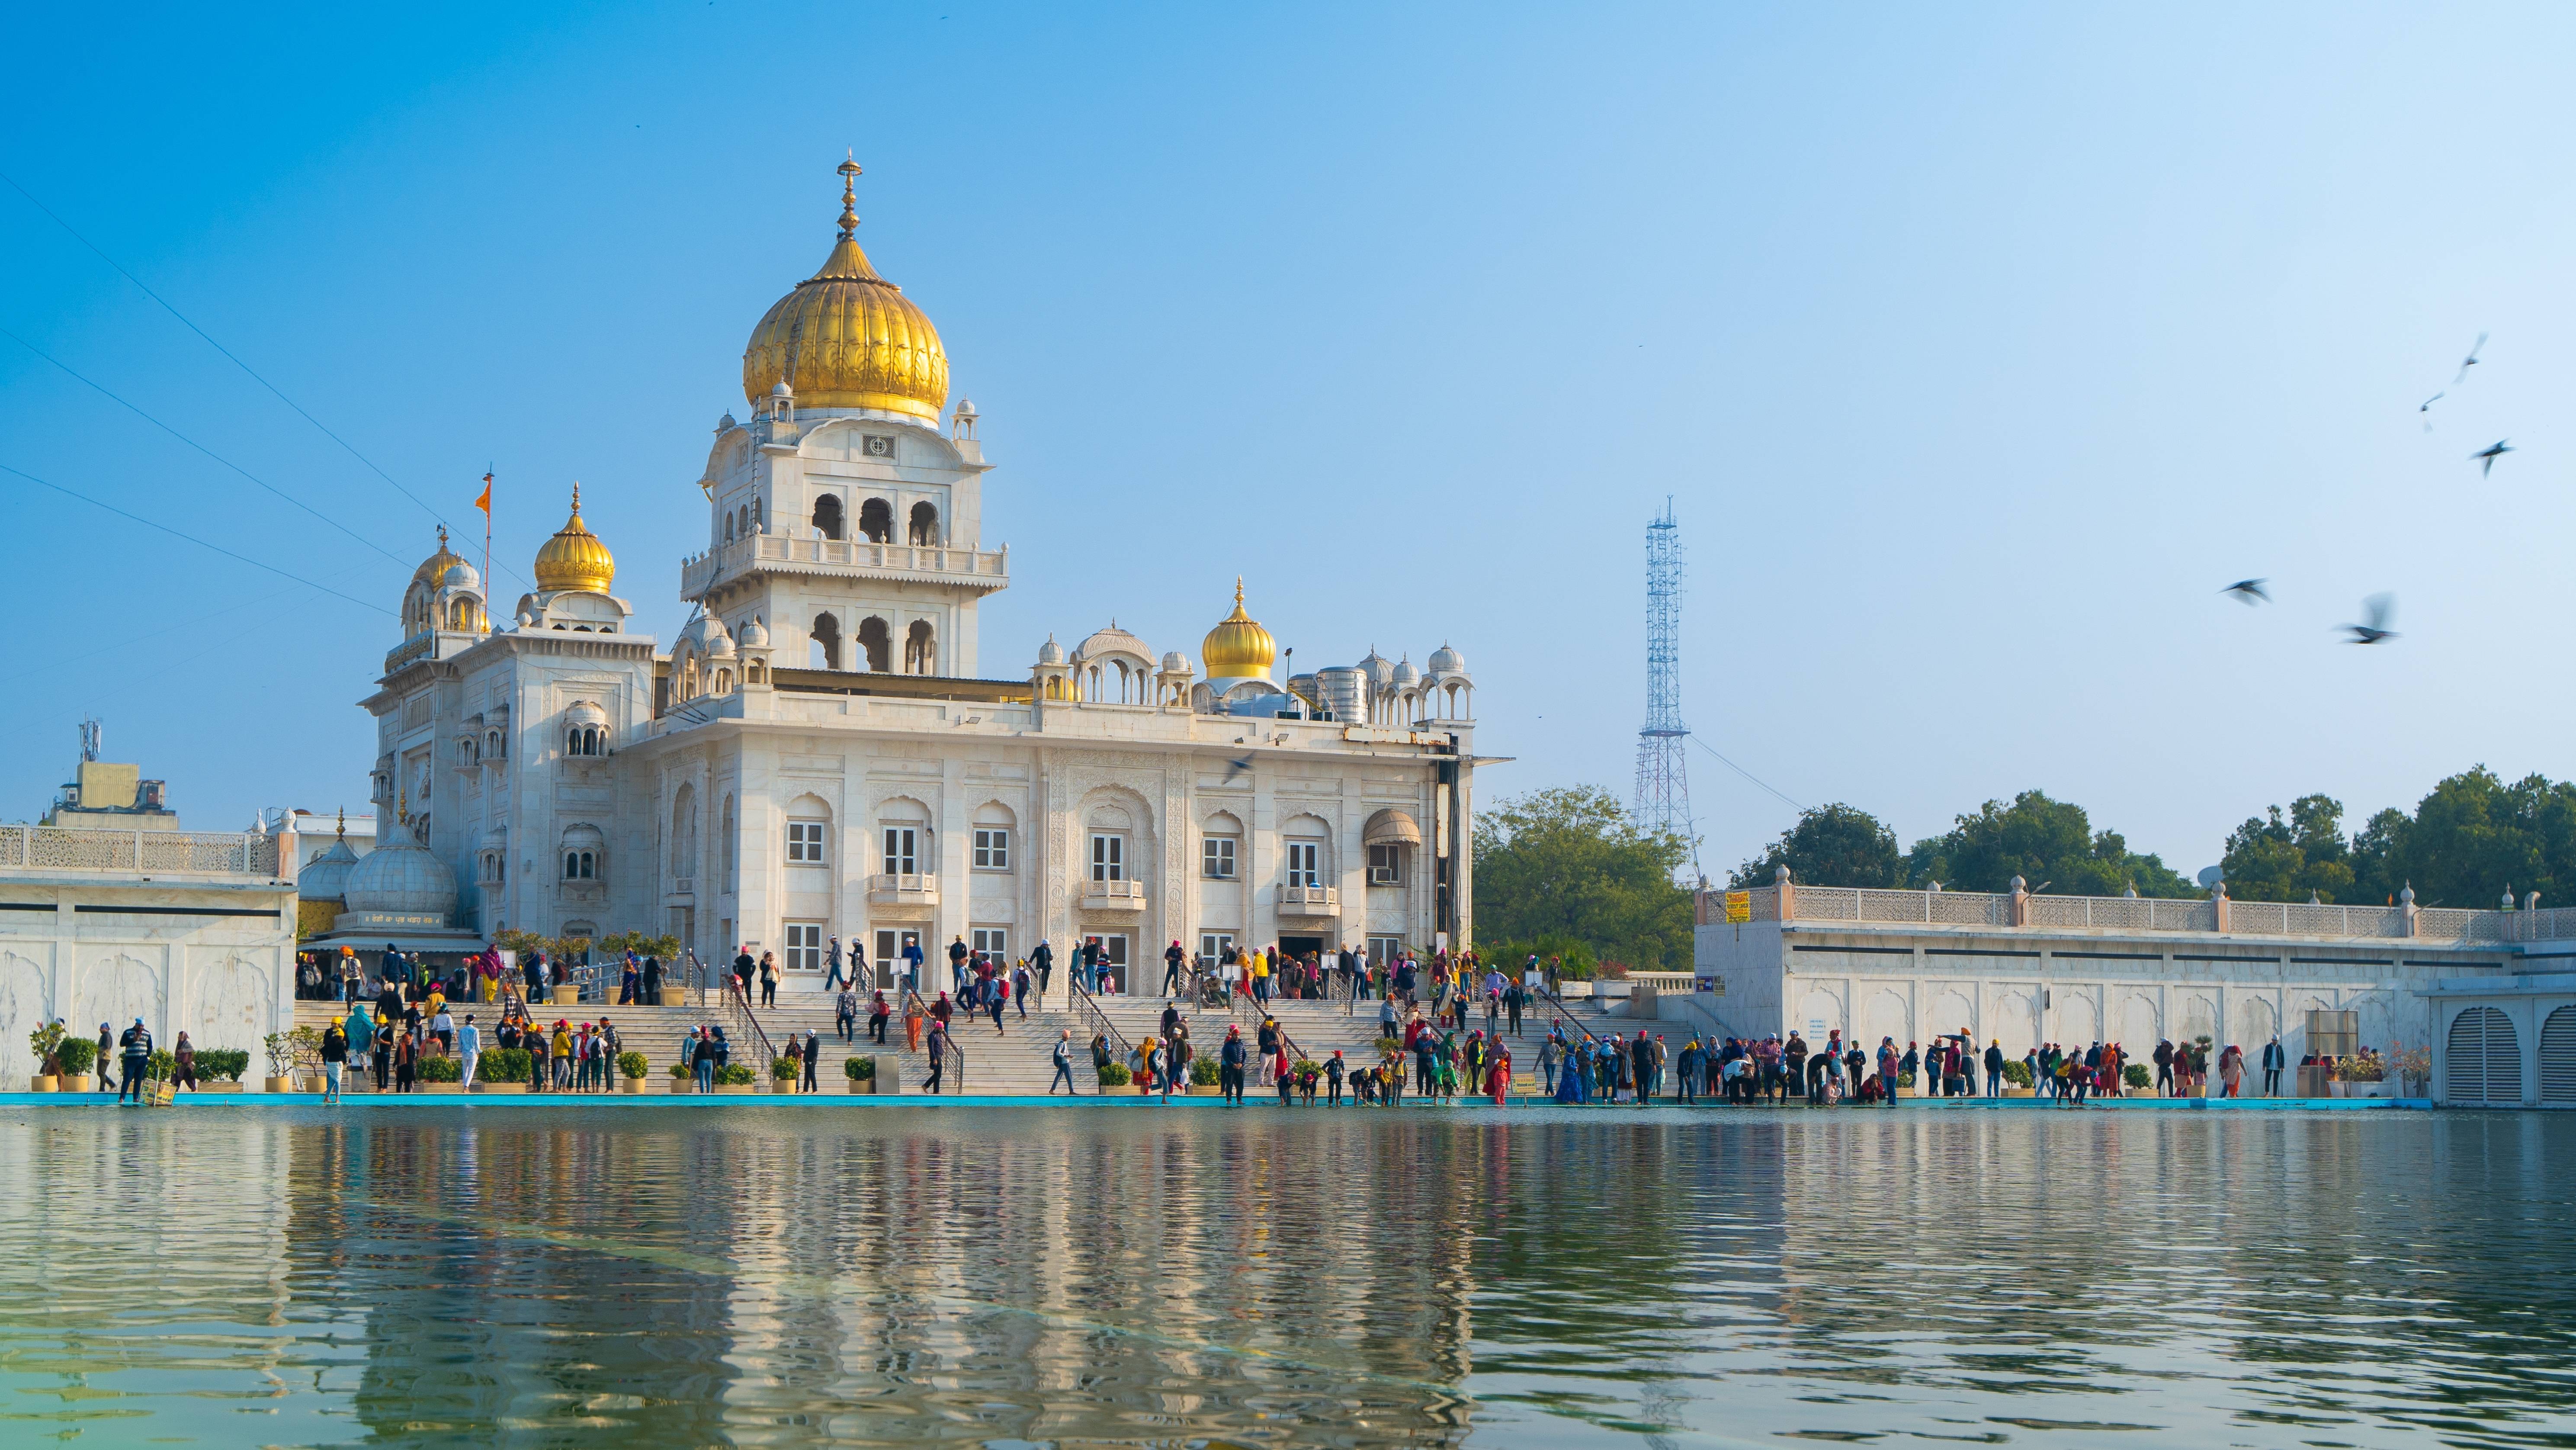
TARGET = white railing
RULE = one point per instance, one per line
(1310, 899)
(857, 555)
(905, 887)
(1117, 894)
(57, 848)
(2138, 913)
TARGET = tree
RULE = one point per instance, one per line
(1832, 845)
(2045, 842)
(1572, 863)
(2472, 839)
(2273, 860)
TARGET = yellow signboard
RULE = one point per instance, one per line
(1739, 906)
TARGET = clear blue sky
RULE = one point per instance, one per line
(1979, 346)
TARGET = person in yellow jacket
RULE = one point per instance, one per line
(562, 1054)
(1260, 975)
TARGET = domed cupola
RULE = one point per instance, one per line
(848, 338)
(401, 878)
(575, 558)
(1238, 648)
(327, 877)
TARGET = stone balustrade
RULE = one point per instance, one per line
(55, 848)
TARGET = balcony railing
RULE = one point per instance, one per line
(2133, 913)
(56, 848)
(1114, 895)
(1310, 901)
(988, 569)
(904, 889)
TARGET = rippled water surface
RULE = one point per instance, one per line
(675, 1277)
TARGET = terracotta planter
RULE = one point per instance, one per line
(2020, 1092)
(634, 1086)
(501, 1087)
(860, 1086)
(79, 1082)
(442, 1087)
(1207, 1090)
(737, 1087)
(566, 995)
(786, 1086)
(277, 1085)
(218, 1086)
(43, 1083)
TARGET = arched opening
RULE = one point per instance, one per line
(2558, 1057)
(920, 651)
(2484, 1063)
(925, 524)
(730, 859)
(878, 642)
(724, 682)
(728, 528)
(827, 516)
(876, 521)
(684, 831)
(825, 653)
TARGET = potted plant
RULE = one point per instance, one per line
(219, 1069)
(2019, 1082)
(440, 1073)
(77, 1055)
(632, 1067)
(2362, 1075)
(1115, 1074)
(45, 1042)
(281, 1062)
(782, 1074)
(1203, 1076)
(679, 1077)
(504, 1070)
(307, 1043)
(862, 1073)
(2135, 1074)
(735, 1077)
(2414, 1069)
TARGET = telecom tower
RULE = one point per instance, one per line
(1663, 776)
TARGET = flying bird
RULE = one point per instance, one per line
(2487, 456)
(2426, 407)
(2377, 609)
(1237, 767)
(2470, 361)
(2249, 591)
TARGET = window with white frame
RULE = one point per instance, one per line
(1216, 858)
(1108, 856)
(804, 946)
(992, 848)
(581, 866)
(1303, 859)
(805, 843)
(1386, 864)
(902, 851)
(1214, 944)
(993, 941)
(1384, 949)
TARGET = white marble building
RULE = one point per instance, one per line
(819, 753)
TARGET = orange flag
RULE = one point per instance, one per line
(485, 502)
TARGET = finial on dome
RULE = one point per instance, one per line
(576, 499)
(849, 169)
(442, 537)
(341, 832)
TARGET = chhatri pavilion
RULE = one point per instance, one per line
(821, 752)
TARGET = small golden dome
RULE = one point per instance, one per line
(575, 558)
(435, 567)
(1238, 648)
(848, 338)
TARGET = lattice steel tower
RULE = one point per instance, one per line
(1663, 775)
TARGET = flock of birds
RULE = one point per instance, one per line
(2378, 609)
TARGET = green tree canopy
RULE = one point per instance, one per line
(2045, 842)
(2470, 840)
(1572, 864)
(1832, 845)
(2271, 860)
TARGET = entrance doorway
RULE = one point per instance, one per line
(891, 942)
(1113, 950)
(1298, 947)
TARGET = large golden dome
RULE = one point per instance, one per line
(435, 567)
(1238, 648)
(848, 338)
(575, 558)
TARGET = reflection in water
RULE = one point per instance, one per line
(1422, 1277)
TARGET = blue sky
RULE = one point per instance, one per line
(1978, 346)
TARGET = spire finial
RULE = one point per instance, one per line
(342, 831)
(576, 500)
(1238, 591)
(849, 169)
(442, 538)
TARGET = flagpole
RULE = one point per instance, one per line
(487, 549)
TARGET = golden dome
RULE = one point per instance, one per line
(1238, 648)
(575, 558)
(435, 567)
(848, 338)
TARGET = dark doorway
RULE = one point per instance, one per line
(827, 516)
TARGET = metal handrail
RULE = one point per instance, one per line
(737, 1010)
(952, 1067)
(1088, 1006)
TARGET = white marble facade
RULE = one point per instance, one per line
(818, 754)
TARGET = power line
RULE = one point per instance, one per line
(193, 539)
(1740, 770)
(217, 346)
(111, 395)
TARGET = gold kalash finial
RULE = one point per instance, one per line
(849, 169)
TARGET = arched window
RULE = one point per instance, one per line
(730, 858)
(724, 681)
(877, 643)
(581, 866)
(925, 524)
(827, 516)
(920, 650)
(825, 652)
(684, 831)
(876, 521)
(583, 850)
(729, 526)
(809, 828)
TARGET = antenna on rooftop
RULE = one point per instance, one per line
(1663, 774)
(89, 739)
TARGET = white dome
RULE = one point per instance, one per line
(1112, 640)
(461, 576)
(401, 878)
(1176, 663)
(755, 635)
(1050, 653)
(708, 633)
(583, 712)
(1405, 673)
(1376, 667)
(327, 877)
(1446, 661)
